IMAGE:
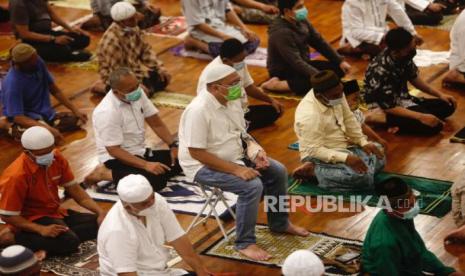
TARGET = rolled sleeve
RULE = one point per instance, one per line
(170, 224)
(148, 107)
(108, 128)
(195, 129)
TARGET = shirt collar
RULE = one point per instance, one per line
(320, 106)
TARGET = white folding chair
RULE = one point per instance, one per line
(212, 198)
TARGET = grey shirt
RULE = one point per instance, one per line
(33, 13)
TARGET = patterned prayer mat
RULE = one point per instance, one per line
(170, 26)
(76, 4)
(327, 247)
(171, 99)
(434, 195)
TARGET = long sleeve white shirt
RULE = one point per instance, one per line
(457, 44)
(365, 20)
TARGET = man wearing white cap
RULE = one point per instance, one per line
(123, 45)
(303, 263)
(212, 132)
(30, 204)
(21, 261)
(132, 238)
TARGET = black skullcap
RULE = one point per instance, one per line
(324, 80)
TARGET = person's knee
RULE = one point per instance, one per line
(65, 244)
(253, 189)
(81, 41)
(158, 182)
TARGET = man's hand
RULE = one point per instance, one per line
(53, 230)
(356, 164)
(345, 67)
(278, 106)
(174, 155)
(251, 36)
(373, 149)
(156, 168)
(269, 9)
(261, 161)
(164, 75)
(418, 40)
(82, 116)
(63, 40)
(430, 120)
(449, 99)
(436, 7)
(245, 173)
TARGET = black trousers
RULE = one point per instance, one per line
(423, 17)
(158, 182)
(300, 84)
(154, 83)
(4, 15)
(260, 116)
(53, 52)
(436, 107)
(82, 227)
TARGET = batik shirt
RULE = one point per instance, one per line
(386, 82)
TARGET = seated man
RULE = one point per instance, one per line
(256, 11)
(119, 128)
(212, 22)
(146, 222)
(331, 138)
(364, 25)
(101, 18)
(211, 132)
(456, 74)
(123, 45)
(26, 96)
(232, 53)
(17, 260)
(386, 87)
(289, 64)
(32, 23)
(30, 203)
(392, 245)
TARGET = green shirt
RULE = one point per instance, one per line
(393, 246)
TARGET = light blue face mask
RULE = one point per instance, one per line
(239, 65)
(334, 102)
(301, 14)
(134, 95)
(44, 160)
(412, 213)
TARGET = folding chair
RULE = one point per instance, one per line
(212, 198)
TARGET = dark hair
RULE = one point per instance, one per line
(286, 4)
(231, 48)
(392, 187)
(398, 39)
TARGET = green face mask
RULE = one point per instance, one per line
(234, 92)
(134, 95)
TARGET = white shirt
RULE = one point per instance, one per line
(420, 5)
(324, 132)
(207, 124)
(365, 20)
(457, 44)
(124, 244)
(246, 79)
(117, 123)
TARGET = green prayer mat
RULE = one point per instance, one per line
(171, 99)
(435, 195)
(281, 245)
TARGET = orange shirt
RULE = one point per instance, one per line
(31, 191)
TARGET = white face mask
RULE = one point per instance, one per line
(239, 65)
(45, 159)
(334, 102)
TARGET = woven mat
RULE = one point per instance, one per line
(171, 99)
(327, 247)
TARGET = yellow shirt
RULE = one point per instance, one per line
(325, 132)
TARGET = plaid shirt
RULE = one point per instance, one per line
(120, 49)
(386, 82)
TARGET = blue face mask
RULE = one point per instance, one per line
(412, 213)
(239, 66)
(134, 95)
(301, 14)
(45, 160)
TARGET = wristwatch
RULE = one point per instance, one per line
(52, 38)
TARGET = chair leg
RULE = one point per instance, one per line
(194, 221)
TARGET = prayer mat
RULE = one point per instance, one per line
(445, 25)
(182, 196)
(459, 137)
(76, 4)
(280, 245)
(171, 99)
(284, 96)
(434, 195)
(91, 65)
(170, 26)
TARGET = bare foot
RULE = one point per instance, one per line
(304, 171)
(100, 173)
(7, 237)
(393, 130)
(276, 85)
(296, 230)
(255, 253)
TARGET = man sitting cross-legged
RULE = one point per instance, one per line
(386, 86)
(331, 139)
(30, 204)
(392, 245)
(211, 132)
(456, 74)
(119, 128)
(131, 240)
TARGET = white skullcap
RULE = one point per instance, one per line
(303, 263)
(134, 188)
(37, 138)
(15, 259)
(218, 72)
(122, 11)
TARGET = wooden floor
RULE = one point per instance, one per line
(428, 157)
